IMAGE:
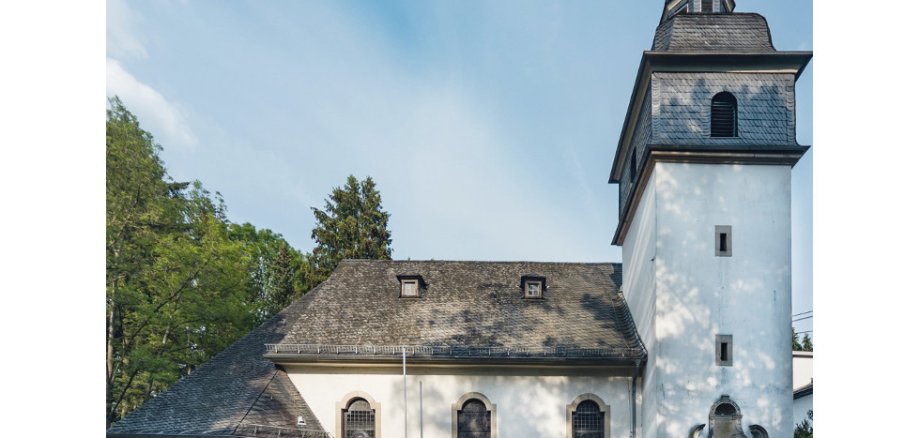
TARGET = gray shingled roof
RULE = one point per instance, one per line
(470, 304)
(241, 393)
(236, 393)
(735, 33)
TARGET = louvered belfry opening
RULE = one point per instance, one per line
(359, 419)
(474, 420)
(707, 5)
(724, 115)
(588, 421)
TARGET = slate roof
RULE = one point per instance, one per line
(241, 393)
(735, 33)
(237, 393)
(471, 304)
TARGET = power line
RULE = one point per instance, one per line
(803, 318)
(797, 314)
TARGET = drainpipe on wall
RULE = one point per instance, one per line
(632, 430)
(405, 393)
(420, 416)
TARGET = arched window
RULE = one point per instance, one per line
(359, 416)
(724, 115)
(588, 421)
(473, 417)
(473, 420)
(358, 419)
(725, 419)
(587, 417)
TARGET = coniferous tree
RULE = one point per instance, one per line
(268, 294)
(804, 429)
(352, 225)
(281, 291)
(796, 346)
(806, 343)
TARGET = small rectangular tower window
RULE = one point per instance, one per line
(724, 350)
(723, 240)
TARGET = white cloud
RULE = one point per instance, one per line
(165, 119)
(120, 41)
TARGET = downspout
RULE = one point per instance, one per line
(632, 429)
(420, 416)
(405, 393)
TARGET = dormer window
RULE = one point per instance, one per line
(533, 286)
(410, 285)
(409, 288)
(534, 289)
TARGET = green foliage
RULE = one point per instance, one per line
(806, 343)
(804, 429)
(352, 225)
(272, 283)
(182, 282)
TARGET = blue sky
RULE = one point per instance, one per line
(489, 126)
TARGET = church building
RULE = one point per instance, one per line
(690, 336)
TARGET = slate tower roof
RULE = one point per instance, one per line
(702, 48)
(736, 32)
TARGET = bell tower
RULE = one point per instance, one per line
(704, 164)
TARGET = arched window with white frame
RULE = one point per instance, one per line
(358, 416)
(473, 416)
(587, 417)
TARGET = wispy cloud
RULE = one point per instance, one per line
(167, 120)
(121, 41)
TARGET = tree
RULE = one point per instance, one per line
(281, 286)
(804, 429)
(352, 225)
(806, 343)
(796, 346)
(175, 281)
(140, 205)
(276, 272)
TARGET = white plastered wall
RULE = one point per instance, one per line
(529, 402)
(638, 288)
(695, 295)
(802, 374)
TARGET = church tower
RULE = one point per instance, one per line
(704, 166)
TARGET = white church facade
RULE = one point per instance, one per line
(690, 336)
